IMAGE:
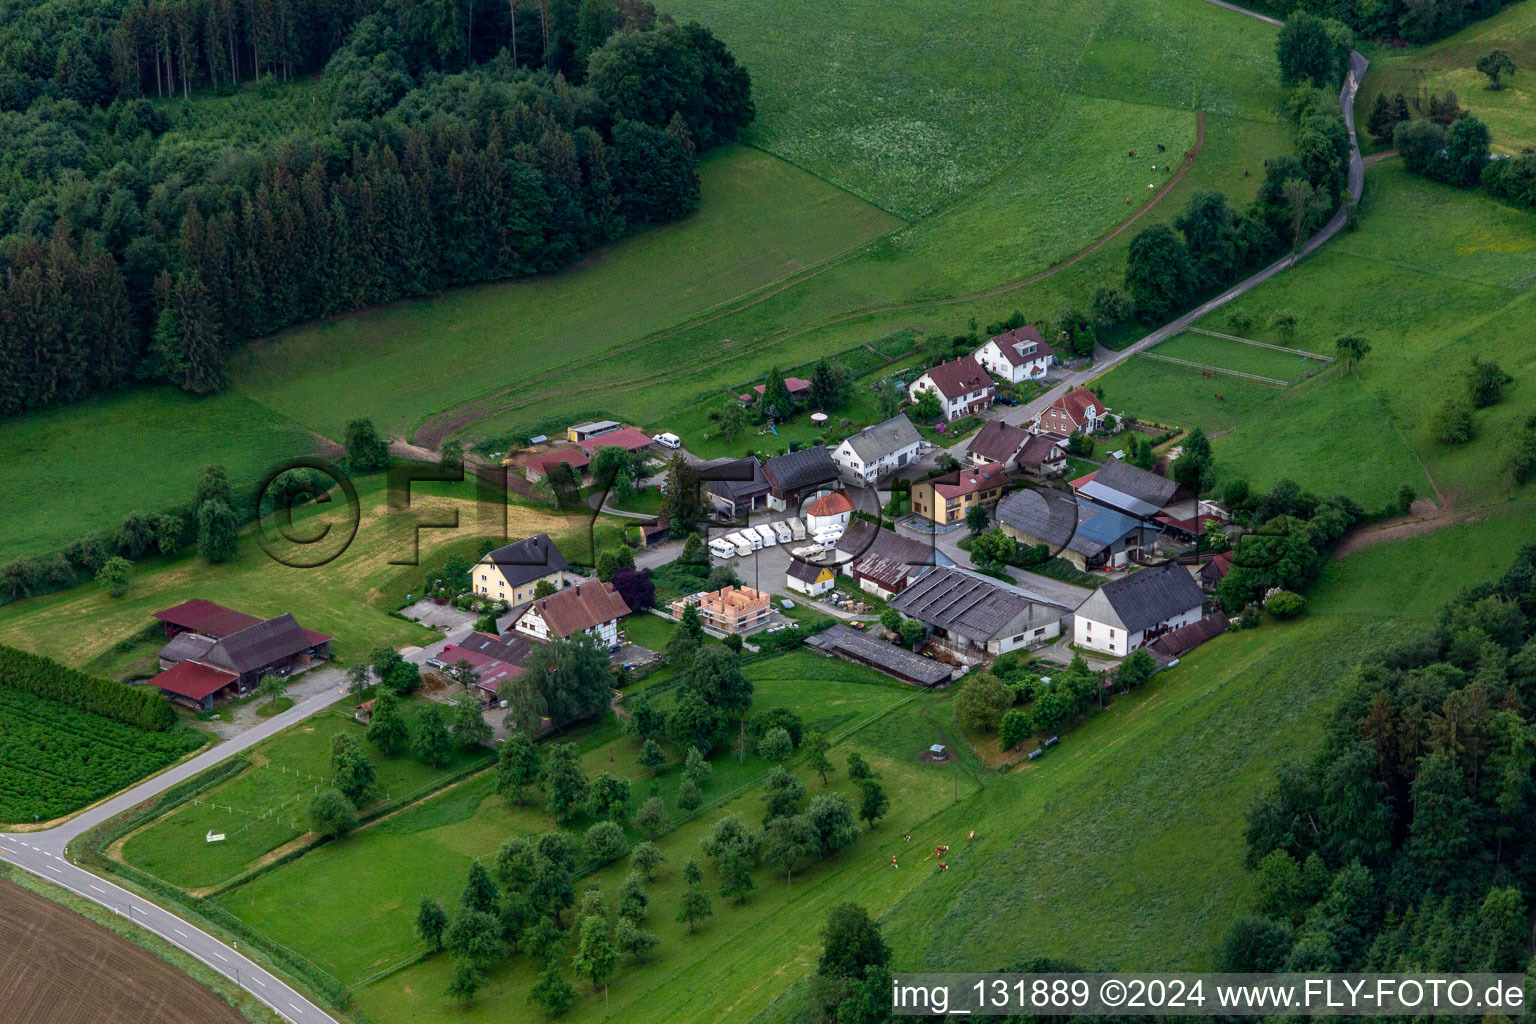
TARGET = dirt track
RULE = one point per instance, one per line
(56, 967)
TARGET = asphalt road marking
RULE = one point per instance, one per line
(296, 1009)
(99, 889)
(218, 954)
(54, 867)
(178, 931)
(258, 981)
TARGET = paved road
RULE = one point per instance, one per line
(1106, 359)
(45, 855)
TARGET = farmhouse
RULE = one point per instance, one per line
(1129, 613)
(216, 651)
(875, 452)
(729, 609)
(1121, 486)
(946, 499)
(1016, 355)
(863, 539)
(1079, 411)
(799, 475)
(1087, 535)
(1016, 450)
(806, 578)
(962, 387)
(975, 616)
(735, 487)
(1213, 571)
(852, 645)
(591, 607)
(494, 659)
(513, 572)
(828, 515)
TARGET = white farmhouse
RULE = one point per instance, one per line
(1016, 355)
(593, 607)
(828, 515)
(1129, 613)
(876, 452)
(962, 387)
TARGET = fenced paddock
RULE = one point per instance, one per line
(1211, 352)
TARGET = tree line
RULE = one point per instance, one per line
(1407, 843)
(1418, 21)
(141, 706)
(130, 254)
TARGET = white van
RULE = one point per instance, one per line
(768, 536)
(668, 441)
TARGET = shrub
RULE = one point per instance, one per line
(1284, 604)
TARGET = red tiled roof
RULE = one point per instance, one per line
(1076, 402)
(959, 377)
(627, 438)
(967, 481)
(206, 618)
(832, 504)
(570, 611)
(192, 680)
(1009, 343)
(795, 385)
(575, 456)
(490, 669)
(1083, 480)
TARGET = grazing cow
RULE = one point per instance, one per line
(1220, 397)
(943, 866)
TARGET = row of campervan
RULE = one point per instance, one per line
(753, 538)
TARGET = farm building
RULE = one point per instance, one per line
(798, 387)
(216, 652)
(537, 467)
(1087, 535)
(1136, 492)
(1016, 355)
(852, 645)
(591, 607)
(513, 572)
(1213, 571)
(863, 539)
(796, 476)
(883, 577)
(729, 609)
(735, 487)
(1129, 613)
(946, 499)
(876, 452)
(627, 438)
(1079, 411)
(814, 580)
(962, 387)
(976, 616)
(1186, 638)
(494, 659)
(579, 432)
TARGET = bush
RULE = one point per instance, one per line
(604, 842)
(1285, 604)
(332, 814)
(1015, 728)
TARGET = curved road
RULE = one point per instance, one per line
(45, 853)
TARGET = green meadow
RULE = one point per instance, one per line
(1234, 355)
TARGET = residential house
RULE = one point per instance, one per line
(975, 616)
(1016, 355)
(859, 647)
(585, 431)
(828, 515)
(1130, 612)
(962, 387)
(592, 607)
(513, 572)
(878, 451)
(1016, 450)
(1079, 411)
(729, 609)
(1087, 535)
(216, 652)
(946, 499)
(735, 487)
(813, 580)
(1136, 492)
(1042, 457)
(864, 539)
(796, 476)
(496, 661)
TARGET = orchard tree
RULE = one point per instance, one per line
(608, 798)
(564, 782)
(466, 982)
(367, 452)
(552, 993)
(353, 772)
(1194, 468)
(651, 757)
(595, 958)
(693, 907)
(114, 575)
(332, 814)
(814, 748)
(431, 923)
(1496, 64)
(517, 767)
(387, 729)
(776, 746)
(1351, 348)
(630, 938)
(646, 858)
(218, 536)
(689, 798)
(1014, 728)
(789, 841)
(652, 818)
(733, 419)
(470, 729)
(429, 738)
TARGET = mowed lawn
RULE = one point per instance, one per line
(81, 468)
(267, 805)
(1431, 277)
(760, 220)
(348, 598)
(1451, 64)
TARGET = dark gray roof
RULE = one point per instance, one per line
(529, 559)
(805, 572)
(850, 643)
(1117, 481)
(260, 645)
(895, 434)
(734, 479)
(1186, 638)
(998, 441)
(1038, 450)
(863, 538)
(974, 606)
(184, 646)
(1144, 599)
(797, 470)
(1050, 516)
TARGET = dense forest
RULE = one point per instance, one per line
(453, 150)
(1418, 21)
(1409, 844)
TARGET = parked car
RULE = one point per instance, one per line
(1007, 400)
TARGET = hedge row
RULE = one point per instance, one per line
(142, 706)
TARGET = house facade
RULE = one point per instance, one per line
(513, 572)
(1126, 614)
(1079, 411)
(962, 387)
(812, 580)
(591, 607)
(876, 452)
(1016, 355)
(946, 499)
(735, 487)
(828, 515)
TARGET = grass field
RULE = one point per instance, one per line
(267, 805)
(348, 598)
(1431, 277)
(1450, 64)
(1234, 355)
(55, 760)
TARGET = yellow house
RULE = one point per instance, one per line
(809, 579)
(946, 499)
(512, 573)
